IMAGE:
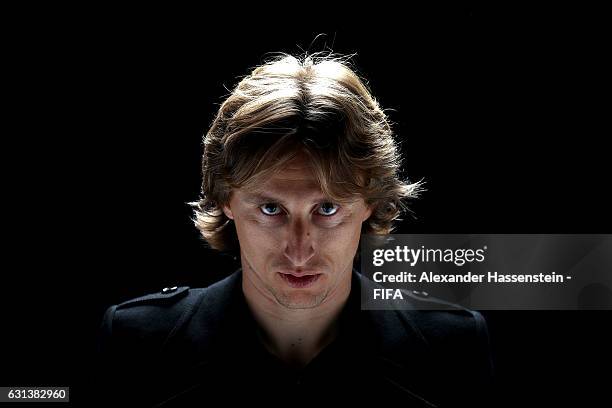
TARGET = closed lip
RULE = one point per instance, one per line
(299, 274)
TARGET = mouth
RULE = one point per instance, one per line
(301, 280)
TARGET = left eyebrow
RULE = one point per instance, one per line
(260, 198)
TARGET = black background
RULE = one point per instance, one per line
(501, 112)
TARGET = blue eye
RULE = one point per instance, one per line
(270, 209)
(327, 209)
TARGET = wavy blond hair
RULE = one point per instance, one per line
(314, 104)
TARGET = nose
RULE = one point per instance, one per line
(300, 243)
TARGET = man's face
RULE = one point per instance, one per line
(296, 246)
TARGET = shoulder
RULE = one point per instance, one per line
(437, 318)
(429, 315)
(151, 320)
(445, 343)
(456, 338)
(136, 359)
(152, 313)
(440, 327)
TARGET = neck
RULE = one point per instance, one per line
(294, 335)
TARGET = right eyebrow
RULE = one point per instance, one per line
(260, 198)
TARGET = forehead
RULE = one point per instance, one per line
(296, 177)
(299, 169)
(295, 180)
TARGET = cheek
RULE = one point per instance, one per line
(256, 237)
(343, 238)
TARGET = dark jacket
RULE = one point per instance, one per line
(185, 346)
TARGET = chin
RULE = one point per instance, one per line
(297, 299)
